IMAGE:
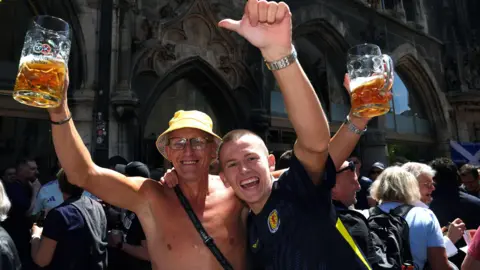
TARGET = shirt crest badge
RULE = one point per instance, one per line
(273, 221)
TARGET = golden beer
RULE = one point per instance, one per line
(371, 78)
(40, 81)
(370, 97)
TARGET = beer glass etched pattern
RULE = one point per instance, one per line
(43, 64)
(370, 75)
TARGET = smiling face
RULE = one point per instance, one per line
(246, 167)
(194, 159)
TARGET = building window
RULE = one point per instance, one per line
(277, 106)
(406, 115)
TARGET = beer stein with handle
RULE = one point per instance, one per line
(371, 79)
(43, 63)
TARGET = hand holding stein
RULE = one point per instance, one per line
(370, 77)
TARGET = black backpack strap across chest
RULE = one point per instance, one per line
(207, 240)
(402, 211)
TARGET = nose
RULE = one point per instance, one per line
(243, 168)
(357, 185)
(188, 149)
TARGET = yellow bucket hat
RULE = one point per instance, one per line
(186, 119)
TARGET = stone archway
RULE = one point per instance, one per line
(322, 52)
(417, 72)
(26, 128)
(210, 82)
(408, 61)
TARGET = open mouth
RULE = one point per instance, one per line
(189, 162)
(249, 183)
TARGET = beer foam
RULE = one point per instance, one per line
(40, 59)
(359, 81)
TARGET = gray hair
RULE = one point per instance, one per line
(4, 203)
(395, 184)
(418, 169)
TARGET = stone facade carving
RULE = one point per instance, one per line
(373, 34)
(194, 33)
(471, 67)
(451, 75)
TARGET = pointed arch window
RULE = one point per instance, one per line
(407, 114)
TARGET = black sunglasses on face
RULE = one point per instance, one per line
(351, 167)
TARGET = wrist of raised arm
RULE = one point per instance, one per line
(275, 54)
(358, 121)
(60, 115)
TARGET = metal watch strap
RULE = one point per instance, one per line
(284, 62)
(352, 127)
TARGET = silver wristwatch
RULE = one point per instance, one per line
(284, 62)
(352, 127)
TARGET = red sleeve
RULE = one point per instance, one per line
(474, 247)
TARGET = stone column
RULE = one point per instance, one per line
(443, 143)
(420, 16)
(462, 126)
(82, 105)
(82, 100)
(374, 147)
(123, 100)
(399, 10)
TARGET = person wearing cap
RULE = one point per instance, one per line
(376, 169)
(132, 241)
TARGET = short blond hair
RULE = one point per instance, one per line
(395, 184)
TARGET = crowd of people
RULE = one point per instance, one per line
(313, 209)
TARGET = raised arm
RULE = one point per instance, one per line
(347, 136)
(268, 26)
(107, 185)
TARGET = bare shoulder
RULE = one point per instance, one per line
(153, 188)
(218, 189)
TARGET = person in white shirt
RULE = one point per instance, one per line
(424, 175)
(50, 197)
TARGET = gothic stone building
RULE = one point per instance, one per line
(134, 62)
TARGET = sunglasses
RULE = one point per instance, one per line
(351, 167)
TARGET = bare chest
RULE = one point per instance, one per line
(174, 243)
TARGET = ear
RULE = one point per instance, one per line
(167, 151)
(271, 162)
(224, 179)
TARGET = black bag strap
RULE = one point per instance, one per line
(207, 240)
(402, 211)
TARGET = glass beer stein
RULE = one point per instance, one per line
(43, 63)
(370, 75)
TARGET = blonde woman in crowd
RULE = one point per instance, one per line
(395, 187)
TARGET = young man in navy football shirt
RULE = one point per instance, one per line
(293, 222)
